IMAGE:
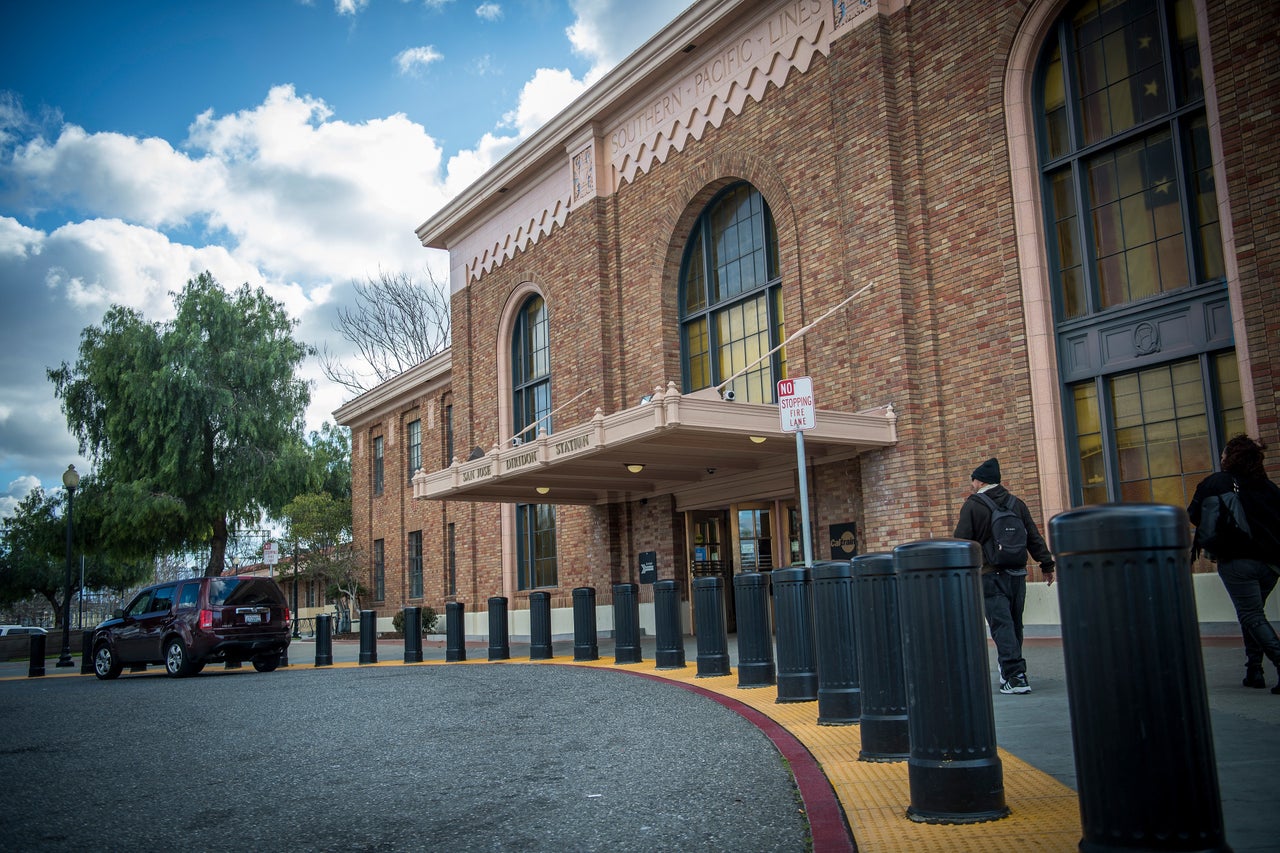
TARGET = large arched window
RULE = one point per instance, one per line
(731, 297)
(531, 414)
(1141, 310)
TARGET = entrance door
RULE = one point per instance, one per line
(709, 557)
(755, 537)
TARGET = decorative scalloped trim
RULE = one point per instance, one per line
(666, 140)
(679, 132)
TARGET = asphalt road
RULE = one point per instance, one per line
(463, 758)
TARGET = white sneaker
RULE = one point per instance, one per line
(1016, 684)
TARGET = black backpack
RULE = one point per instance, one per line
(1006, 546)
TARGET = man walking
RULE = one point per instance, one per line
(1002, 525)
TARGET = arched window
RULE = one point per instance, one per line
(731, 297)
(531, 414)
(1141, 311)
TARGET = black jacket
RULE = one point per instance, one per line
(975, 524)
(1261, 500)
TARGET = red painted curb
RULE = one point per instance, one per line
(827, 825)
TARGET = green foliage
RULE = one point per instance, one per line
(429, 619)
(330, 456)
(33, 550)
(195, 425)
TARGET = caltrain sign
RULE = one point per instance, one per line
(796, 409)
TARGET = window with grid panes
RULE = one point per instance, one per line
(1132, 225)
(731, 297)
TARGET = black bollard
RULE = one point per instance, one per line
(499, 638)
(626, 623)
(1140, 725)
(413, 635)
(585, 643)
(539, 625)
(368, 636)
(35, 667)
(666, 613)
(713, 639)
(455, 642)
(839, 691)
(954, 770)
(86, 653)
(324, 640)
(797, 664)
(755, 638)
(885, 736)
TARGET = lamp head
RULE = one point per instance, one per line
(70, 478)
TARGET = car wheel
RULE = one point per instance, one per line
(266, 664)
(105, 663)
(176, 660)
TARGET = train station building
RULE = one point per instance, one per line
(1044, 232)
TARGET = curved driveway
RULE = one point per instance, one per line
(463, 758)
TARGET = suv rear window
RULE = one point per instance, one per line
(233, 591)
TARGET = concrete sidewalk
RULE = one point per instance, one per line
(1033, 732)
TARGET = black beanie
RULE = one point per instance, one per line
(988, 472)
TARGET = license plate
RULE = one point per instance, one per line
(252, 618)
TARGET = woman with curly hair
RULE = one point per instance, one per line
(1249, 568)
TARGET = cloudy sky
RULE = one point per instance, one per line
(292, 145)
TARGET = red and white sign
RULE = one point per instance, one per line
(270, 553)
(796, 409)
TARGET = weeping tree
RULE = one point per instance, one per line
(394, 323)
(194, 425)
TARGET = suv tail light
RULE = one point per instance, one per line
(206, 620)
(288, 617)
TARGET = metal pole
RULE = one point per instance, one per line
(65, 658)
(804, 501)
(296, 633)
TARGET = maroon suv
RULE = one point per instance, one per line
(186, 624)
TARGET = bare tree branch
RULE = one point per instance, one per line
(395, 324)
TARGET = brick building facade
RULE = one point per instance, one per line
(1061, 210)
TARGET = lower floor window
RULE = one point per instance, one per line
(415, 564)
(536, 546)
(379, 570)
(1151, 435)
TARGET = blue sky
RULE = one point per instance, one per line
(291, 145)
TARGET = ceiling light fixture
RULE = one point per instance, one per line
(542, 490)
(635, 467)
(757, 439)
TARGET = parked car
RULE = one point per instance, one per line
(15, 630)
(187, 624)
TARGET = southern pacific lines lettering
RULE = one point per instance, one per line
(572, 444)
(648, 120)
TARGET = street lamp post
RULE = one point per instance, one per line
(71, 480)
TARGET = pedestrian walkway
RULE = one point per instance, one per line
(864, 804)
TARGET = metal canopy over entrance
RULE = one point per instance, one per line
(694, 446)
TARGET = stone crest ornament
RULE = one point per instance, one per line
(1146, 338)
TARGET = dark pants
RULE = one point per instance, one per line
(1003, 597)
(1249, 582)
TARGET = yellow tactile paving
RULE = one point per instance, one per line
(1044, 813)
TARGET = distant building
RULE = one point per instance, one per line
(1066, 213)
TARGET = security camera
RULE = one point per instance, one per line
(729, 396)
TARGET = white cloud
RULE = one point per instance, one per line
(413, 59)
(607, 31)
(489, 11)
(281, 195)
(16, 491)
(549, 92)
